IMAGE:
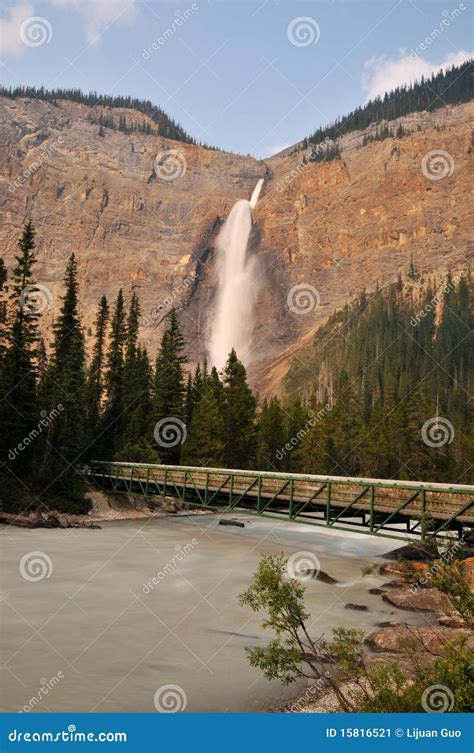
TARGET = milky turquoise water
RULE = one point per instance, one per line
(111, 641)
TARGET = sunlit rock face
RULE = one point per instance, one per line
(139, 221)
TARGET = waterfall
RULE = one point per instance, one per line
(237, 288)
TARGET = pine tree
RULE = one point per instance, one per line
(204, 445)
(239, 431)
(18, 382)
(112, 418)
(137, 442)
(95, 376)
(271, 436)
(217, 387)
(189, 401)
(64, 390)
(168, 386)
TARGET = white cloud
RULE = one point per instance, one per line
(99, 14)
(10, 39)
(381, 74)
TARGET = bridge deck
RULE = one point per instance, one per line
(377, 502)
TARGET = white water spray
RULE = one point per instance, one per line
(232, 325)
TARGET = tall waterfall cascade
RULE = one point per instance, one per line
(237, 285)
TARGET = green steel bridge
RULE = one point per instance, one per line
(377, 506)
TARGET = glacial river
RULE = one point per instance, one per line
(104, 640)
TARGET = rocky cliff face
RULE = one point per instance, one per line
(337, 227)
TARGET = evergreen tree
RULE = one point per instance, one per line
(18, 380)
(112, 417)
(95, 376)
(271, 436)
(239, 430)
(204, 445)
(189, 400)
(217, 387)
(137, 444)
(64, 390)
(168, 385)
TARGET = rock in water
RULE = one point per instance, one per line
(232, 522)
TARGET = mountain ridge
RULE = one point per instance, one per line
(339, 225)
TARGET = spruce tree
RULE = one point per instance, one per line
(204, 445)
(239, 430)
(188, 400)
(168, 385)
(137, 442)
(112, 418)
(271, 436)
(96, 374)
(18, 382)
(64, 390)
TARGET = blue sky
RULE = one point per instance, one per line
(250, 76)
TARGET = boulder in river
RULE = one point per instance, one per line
(421, 600)
(322, 576)
(357, 607)
(232, 522)
(393, 639)
(415, 552)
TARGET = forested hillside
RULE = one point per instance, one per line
(384, 391)
(450, 87)
(165, 126)
(381, 369)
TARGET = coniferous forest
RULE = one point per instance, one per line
(447, 87)
(380, 370)
(165, 126)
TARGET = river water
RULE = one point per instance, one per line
(101, 639)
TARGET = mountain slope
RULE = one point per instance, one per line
(338, 226)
